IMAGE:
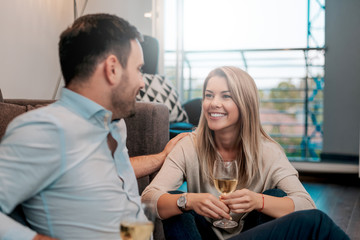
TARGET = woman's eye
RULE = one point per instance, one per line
(226, 96)
(208, 95)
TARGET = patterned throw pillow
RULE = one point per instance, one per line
(159, 89)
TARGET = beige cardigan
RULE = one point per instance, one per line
(182, 164)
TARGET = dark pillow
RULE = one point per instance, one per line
(1, 97)
(9, 112)
(159, 89)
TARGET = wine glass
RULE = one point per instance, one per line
(225, 180)
(139, 229)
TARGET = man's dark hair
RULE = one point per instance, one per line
(90, 39)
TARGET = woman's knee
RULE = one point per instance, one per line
(311, 216)
(275, 192)
(313, 213)
(317, 214)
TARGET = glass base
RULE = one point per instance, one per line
(225, 223)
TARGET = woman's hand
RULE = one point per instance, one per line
(242, 200)
(207, 205)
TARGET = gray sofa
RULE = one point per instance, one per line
(148, 133)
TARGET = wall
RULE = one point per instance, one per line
(133, 11)
(30, 30)
(28, 51)
(342, 78)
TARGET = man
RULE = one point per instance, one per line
(67, 163)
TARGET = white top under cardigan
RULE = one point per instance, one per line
(182, 164)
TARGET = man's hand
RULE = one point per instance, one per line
(147, 164)
(171, 144)
(43, 237)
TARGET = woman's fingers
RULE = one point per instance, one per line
(241, 201)
(208, 205)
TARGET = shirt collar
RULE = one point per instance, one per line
(83, 106)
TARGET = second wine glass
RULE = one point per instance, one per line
(225, 174)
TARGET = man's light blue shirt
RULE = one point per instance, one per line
(56, 161)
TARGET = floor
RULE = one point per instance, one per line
(338, 195)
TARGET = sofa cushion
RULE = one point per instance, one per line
(29, 102)
(32, 107)
(159, 89)
(8, 113)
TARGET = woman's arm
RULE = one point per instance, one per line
(169, 178)
(276, 172)
(180, 163)
(297, 199)
(294, 189)
(245, 200)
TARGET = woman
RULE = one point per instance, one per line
(229, 128)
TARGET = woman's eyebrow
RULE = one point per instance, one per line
(227, 91)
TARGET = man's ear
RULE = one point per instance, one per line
(112, 69)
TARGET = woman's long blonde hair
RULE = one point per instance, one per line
(245, 95)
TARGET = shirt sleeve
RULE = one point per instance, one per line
(281, 174)
(30, 160)
(170, 177)
(296, 191)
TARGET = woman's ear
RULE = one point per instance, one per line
(113, 69)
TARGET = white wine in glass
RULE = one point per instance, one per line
(139, 230)
(225, 185)
(136, 230)
(225, 180)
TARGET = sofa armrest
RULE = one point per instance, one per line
(147, 132)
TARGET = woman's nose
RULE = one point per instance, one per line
(216, 103)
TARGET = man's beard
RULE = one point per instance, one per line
(122, 107)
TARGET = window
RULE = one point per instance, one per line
(279, 43)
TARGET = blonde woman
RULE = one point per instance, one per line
(229, 129)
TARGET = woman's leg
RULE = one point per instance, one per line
(189, 226)
(255, 218)
(307, 224)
